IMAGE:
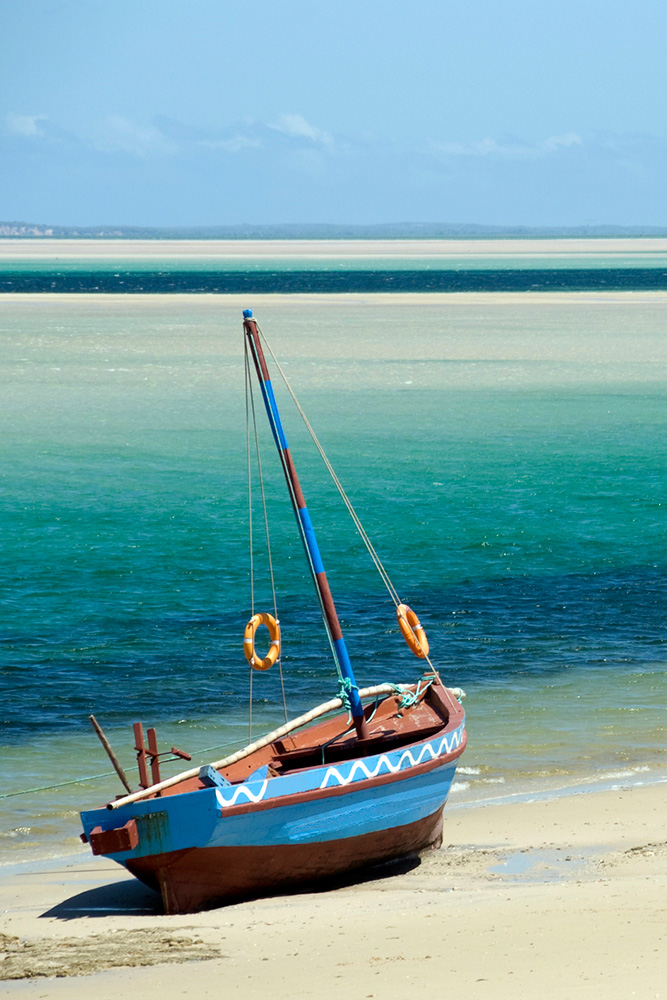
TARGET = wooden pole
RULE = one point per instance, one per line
(112, 756)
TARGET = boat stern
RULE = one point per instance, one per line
(155, 826)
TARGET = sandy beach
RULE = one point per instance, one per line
(561, 898)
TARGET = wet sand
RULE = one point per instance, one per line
(561, 898)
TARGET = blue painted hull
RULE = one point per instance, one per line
(216, 844)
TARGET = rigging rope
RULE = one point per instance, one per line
(250, 408)
(248, 390)
(309, 558)
(339, 486)
(108, 774)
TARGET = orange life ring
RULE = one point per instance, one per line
(263, 618)
(412, 631)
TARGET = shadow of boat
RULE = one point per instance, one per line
(115, 898)
(128, 896)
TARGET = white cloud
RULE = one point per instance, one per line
(165, 137)
(510, 147)
(234, 144)
(556, 142)
(296, 127)
(120, 135)
(24, 125)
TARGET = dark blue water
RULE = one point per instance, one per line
(331, 281)
(187, 663)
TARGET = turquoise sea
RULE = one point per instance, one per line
(507, 454)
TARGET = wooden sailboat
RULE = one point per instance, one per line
(322, 795)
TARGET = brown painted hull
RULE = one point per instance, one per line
(189, 880)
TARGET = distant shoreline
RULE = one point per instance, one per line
(324, 231)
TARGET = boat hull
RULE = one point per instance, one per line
(212, 845)
(192, 879)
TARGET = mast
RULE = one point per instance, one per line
(305, 526)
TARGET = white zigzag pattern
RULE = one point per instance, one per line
(238, 792)
(334, 774)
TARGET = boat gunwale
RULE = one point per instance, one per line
(371, 781)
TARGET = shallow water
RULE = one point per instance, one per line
(506, 454)
(340, 266)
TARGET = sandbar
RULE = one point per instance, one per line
(36, 248)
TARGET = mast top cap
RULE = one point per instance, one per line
(247, 313)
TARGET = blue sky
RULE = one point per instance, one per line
(214, 112)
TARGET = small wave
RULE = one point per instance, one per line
(627, 772)
(460, 786)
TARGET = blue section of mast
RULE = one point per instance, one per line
(276, 425)
(308, 533)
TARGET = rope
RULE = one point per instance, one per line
(345, 689)
(250, 395)
(106, 774)
(46, 788)
(393, 593)
(353, 514)
(410, 698)
(332, 646)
